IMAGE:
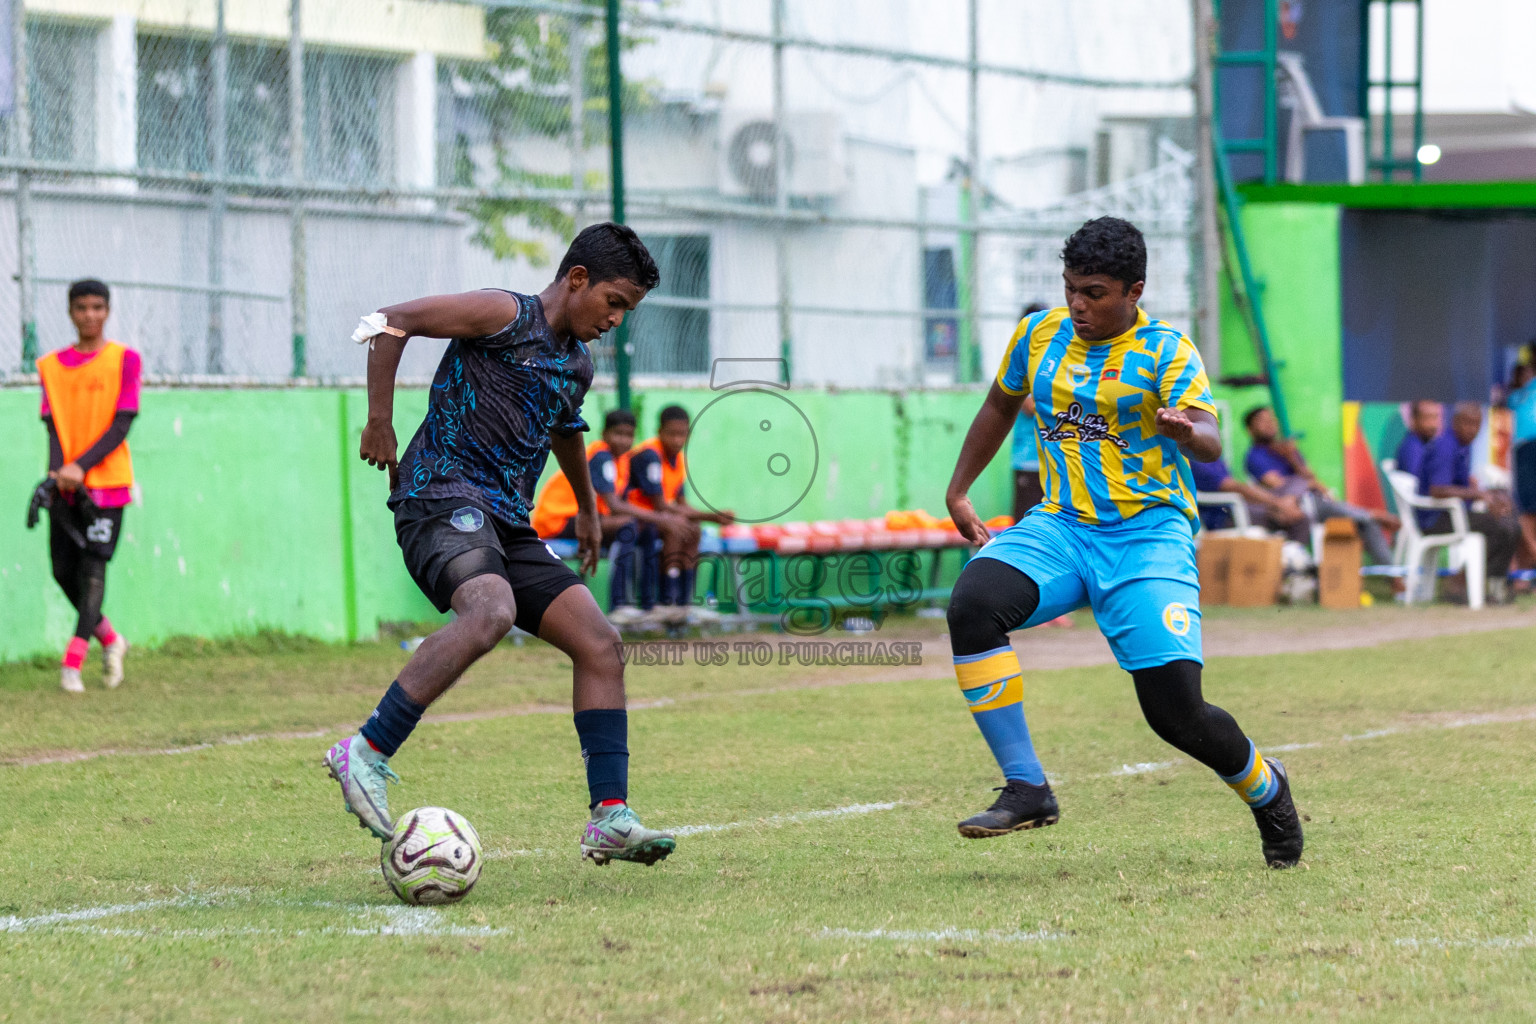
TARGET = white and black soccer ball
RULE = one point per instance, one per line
(433, 857)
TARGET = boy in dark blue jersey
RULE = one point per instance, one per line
(507, 393)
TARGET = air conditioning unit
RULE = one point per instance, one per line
(814, 154)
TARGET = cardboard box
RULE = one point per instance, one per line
(1214, 562)
(1240, 571)
(1253, 574)
(1338, 572)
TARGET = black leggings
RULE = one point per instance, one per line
(82, 576)
(991, 598)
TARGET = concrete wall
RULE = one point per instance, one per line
(256, 512)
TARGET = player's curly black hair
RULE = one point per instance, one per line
(1109, 246)
(611, 251)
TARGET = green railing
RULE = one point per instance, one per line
(1388, 163)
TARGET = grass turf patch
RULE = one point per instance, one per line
(227, 884)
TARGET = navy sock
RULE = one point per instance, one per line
(392, 721)
(604, 734)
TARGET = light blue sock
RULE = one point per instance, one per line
(994, 690)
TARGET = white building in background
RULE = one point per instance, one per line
(1479, 89)
(877, 148)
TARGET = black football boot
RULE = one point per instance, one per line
(1019, 806)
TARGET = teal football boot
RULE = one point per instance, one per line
(363, 774)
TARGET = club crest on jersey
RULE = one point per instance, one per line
(467, 519)
(1079, 375)
(1176, 619)
(1088, 427)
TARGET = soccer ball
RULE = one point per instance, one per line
(433, 857)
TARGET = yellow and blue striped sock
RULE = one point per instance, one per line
(994, 689)
(1256, 784)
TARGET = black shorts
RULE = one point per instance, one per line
(84, 527)
(1525, 477)
(434, 531)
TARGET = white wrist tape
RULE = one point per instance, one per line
(372, 325)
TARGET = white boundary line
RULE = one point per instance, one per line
(941, 935)
(773, 820)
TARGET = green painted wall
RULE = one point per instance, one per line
(256, 512)
(1294, 248)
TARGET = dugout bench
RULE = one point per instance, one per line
(779, 568)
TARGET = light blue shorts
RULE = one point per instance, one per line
(1138, 576)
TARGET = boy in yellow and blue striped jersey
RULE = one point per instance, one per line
(1121, 404)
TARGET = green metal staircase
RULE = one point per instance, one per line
(1247, 290)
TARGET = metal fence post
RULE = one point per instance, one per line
(1207, 284)
(26, 242)
(218, 198)
(616, 160)
(298, 287)
(781, 199)
(576, 49)
(968, 354)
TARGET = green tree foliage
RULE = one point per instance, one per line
(523, 93)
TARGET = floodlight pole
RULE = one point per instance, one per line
(298, 287)
(616, 164)
(26, 239)
(218, 197)
(1207, 283)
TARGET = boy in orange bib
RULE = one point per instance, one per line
(90, 397)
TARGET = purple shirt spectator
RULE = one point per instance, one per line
(1410, 454)
(1446, 463)
(1209, 476)
(1262, 459)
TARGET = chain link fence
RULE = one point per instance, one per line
(869, 191)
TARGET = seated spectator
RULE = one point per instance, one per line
(1276, 464)
(1280, 513)
(657, 470)
(554, 513)
(1425, 422)
(1446, 472)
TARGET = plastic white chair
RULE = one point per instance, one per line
(1419, 553)
(1232, 502)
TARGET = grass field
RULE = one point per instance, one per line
(819, 876)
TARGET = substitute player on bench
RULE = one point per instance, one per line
(554, 513)
(507, 392)
(1121, 401)
(90, 397)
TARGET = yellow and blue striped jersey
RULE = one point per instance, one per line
(1101, 457)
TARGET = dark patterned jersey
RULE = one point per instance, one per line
(493, 404)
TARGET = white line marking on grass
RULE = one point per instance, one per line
(941, 935)
(772, 820)
(790, 819)
(371, 919)
(1142, 767)
(64, 917)
(229, 741)
(22, 924)
(1527, 941)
